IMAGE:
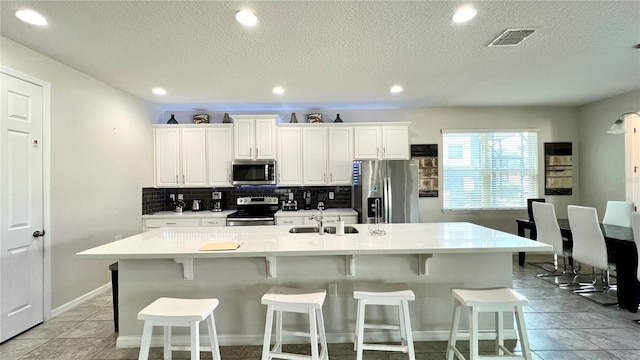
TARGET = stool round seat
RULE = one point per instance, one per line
(280, 299)
(389, 294)
(494, 300)
(169, 312)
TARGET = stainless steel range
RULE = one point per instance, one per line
(252, 211)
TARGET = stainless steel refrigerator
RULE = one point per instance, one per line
(388, 189)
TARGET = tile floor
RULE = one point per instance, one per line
(560, 325)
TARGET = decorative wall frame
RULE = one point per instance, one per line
(558, 168)
(427, 157)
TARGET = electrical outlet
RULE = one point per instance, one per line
(180, 197)
(172, 197)
(331, 195)
(290, 196)
(333, 290)
(117, 237)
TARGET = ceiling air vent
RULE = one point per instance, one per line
(511, 37)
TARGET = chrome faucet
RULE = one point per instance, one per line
(319, 218)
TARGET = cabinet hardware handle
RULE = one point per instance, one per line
(378, 151)
(250, 152)
(331, 177)
(183, 181)
(324, 177)
(176, 178)
(257, 152)
(170, 223)
(384, 149)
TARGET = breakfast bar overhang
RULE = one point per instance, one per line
(431, 257)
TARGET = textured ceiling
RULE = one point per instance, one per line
(341, 55)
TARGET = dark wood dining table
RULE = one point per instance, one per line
(622, 250)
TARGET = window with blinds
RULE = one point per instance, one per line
(489, 170)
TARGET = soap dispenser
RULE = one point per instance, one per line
(340, 226)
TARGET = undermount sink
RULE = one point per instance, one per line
(327, 229)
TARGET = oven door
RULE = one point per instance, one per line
(253, 172)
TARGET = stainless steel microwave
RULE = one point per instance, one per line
(257, 172)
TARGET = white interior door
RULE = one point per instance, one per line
(21, 206)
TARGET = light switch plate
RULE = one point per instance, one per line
(331, 195)
(180, 197)
(290, 196)
(172, 197)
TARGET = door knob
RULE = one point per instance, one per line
(38, 233)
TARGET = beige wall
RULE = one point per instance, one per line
(603, 155)
(101, 157)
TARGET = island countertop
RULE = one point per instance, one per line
(259, 241)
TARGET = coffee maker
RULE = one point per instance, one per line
(217, 201)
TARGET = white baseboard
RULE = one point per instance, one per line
(79, 300)
(231, 340)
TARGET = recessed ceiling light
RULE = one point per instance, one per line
(278, 90)
(31, 17)
(159, 91)
(246, 17)
(396, 89)
(464, 14)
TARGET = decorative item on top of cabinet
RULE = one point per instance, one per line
(201, 119)
(293, 119)
(172, 120)
(226, 119)
(314, 118)
(337, 120)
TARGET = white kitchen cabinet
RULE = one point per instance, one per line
(327, 155)
(254, 136)
(180, 156)
(330, 220)
(289, 163)
(220, 151)
(381, 142)
(293, 220)
(314, 156)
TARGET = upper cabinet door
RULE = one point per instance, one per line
(265, 138)
(167, 157)
(340, 156)
(194, 157)
(367, 142)
(289, 161)
(395, 142)
(220, 153)
(254, 136)
(243, 136)
(314, 150)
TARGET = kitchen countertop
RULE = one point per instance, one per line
(328, 212)
(188, 214)
(259, 241)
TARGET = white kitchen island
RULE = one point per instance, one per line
(431, 257)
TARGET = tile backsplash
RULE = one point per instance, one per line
(157, 199)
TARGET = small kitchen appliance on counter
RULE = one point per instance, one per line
(216, 203)
(290, 205)
(196, 205)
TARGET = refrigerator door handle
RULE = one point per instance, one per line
(388, 200)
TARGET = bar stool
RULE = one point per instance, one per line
(497, 301)
(283, 299)
(391, 294)
(169, 312)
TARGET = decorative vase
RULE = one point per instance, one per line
(294, 119)
(226, 119)
(337, 120)
(172, 120)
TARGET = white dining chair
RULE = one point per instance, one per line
(635, 224)
(549, 233)
(618, 213)
(590, 248)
